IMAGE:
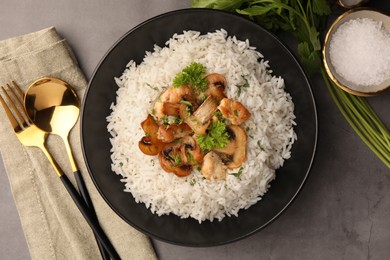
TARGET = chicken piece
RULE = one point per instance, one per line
(234, 111)
(213, 168)
(172, 132)
(170, 109)
(171, 95)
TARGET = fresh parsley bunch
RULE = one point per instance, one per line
(216, 137)
(193, 75)
(301, 18)
(305, 19)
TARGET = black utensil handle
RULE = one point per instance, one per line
(89, 218)
(84, 193)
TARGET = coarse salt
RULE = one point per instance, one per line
(360, 52)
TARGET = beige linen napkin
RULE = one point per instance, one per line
(53, 226)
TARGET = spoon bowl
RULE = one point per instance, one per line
(54, 107)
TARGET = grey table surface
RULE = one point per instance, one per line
(343, 211)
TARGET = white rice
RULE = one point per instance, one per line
(270, 127)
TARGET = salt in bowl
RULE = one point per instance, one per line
(334, 70)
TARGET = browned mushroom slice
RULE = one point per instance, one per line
(213, 168)
(150, 144)
(198, 127)
(200, 119)
(216, 83)
(234, 111)
(170, 160)
(206, 110)
(148, 147)
(216, 92)
(190, 151)
(216, 80)
(234, 154)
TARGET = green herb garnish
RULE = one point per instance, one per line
(259, 145)
(240, 87)
(185, 102)
(194, 76)
(150, 86)
(177, 120)
(237, 174)
(304, 20)
(216, 137)
(176, 158)
(165, 119)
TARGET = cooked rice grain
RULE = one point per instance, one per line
(270, 127)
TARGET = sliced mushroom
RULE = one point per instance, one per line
(216, 92)
(200, 119)
(216, 83)
(234, 154)
(213, 168)
(148, 147)
(150, 144)
(234, 111)
(191, 152)
(216, 80)
(206, 110)
(170, 160)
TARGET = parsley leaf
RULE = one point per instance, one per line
(220, 4)
(321, 7)
(216, 137)
(192, 75)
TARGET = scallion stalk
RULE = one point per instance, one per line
(367, 130)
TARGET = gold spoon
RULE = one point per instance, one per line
(54, 107)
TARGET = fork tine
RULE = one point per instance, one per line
(20, 92)
(15, 109)
(9, 114)
(18, 97)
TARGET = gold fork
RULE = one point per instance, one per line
(30, 135)
(26, 131)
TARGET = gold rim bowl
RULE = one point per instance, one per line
(344, 84)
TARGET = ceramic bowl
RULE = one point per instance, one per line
(341, 82)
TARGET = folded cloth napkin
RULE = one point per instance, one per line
(53, 226)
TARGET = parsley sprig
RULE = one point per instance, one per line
(194, 76)
(305, 19)
(216, 137)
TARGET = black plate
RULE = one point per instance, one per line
(95, 138)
